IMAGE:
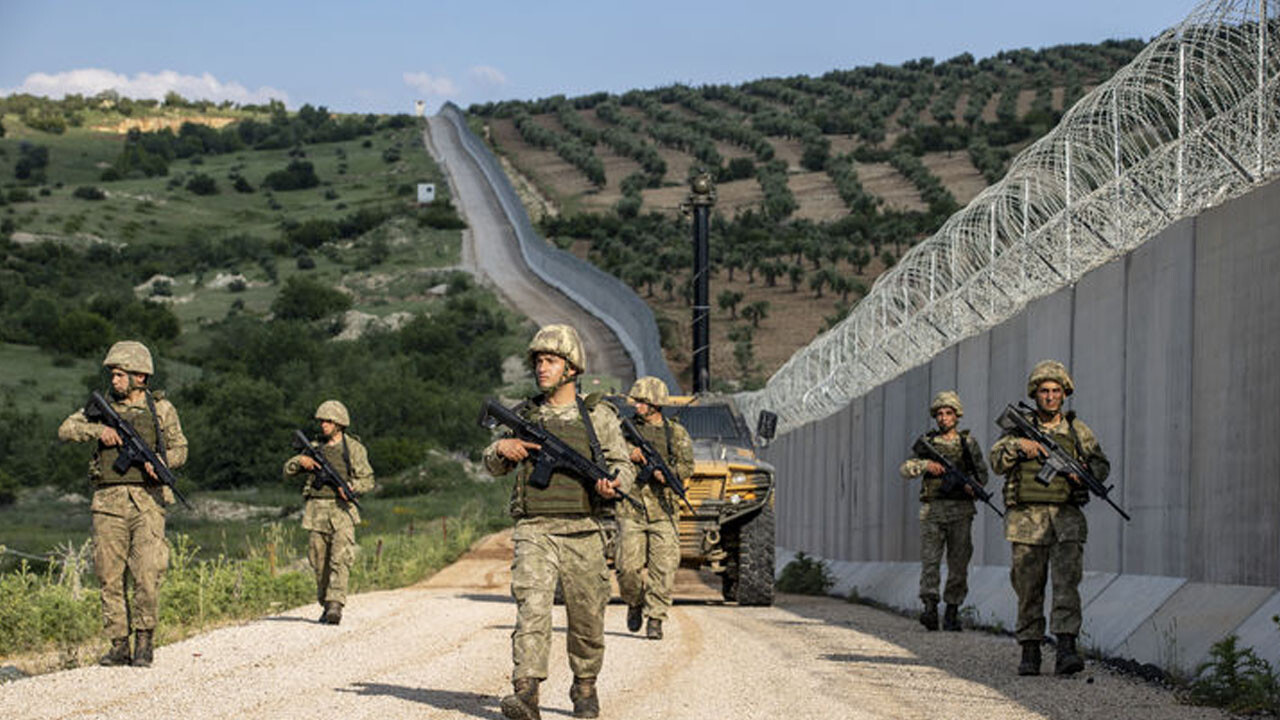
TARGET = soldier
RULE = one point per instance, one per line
(946, 518)
(558, 535)
(1045, 524)
(331, 520)
(129, 510)
(649, 539)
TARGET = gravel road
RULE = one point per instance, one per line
(490, 250)
(441, 649)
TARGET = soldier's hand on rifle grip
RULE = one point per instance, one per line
(637, 456)
(109, 437)
(515, 449)
(151, 471)
(308, 464)
(935, 469)
(607, 488)
(1031, 448)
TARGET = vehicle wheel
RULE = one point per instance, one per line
(755, 560)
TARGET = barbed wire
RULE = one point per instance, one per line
(1191, 122)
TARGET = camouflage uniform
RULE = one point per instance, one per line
(129, 510)
(650, 539)
(331, 521)
(946, 520)
(558, 536)
(1046, 524)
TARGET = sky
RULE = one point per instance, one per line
(381, 56)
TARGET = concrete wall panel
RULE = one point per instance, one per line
(1098, 372)
(1156, 467)
(896, 498)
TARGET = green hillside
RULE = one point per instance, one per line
(822, 182)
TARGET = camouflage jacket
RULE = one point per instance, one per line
(604, 420)
(659, 501)
(931, 487)
(123, 499)
(322, 500)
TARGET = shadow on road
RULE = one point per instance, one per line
(474, 704)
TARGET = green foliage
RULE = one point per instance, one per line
(440, 215)
(1237, 679)
(202, 184)
(89, 192)
(298, 175)
(805, 576)
(306, 299)
(32, 161)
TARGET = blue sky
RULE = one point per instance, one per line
(381, 56)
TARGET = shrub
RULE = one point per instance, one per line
(306, 299)
(298, 175)
(89, 192)
(241, 185)
(805, 576)
(1236, 679)
(202, 184)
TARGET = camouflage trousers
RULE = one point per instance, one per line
(132, 542)
(577, 561)
(331, 555)
(945, 533)
(648, 548)
(1031, 568)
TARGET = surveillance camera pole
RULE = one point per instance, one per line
(702, 196)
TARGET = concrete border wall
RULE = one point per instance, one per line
(596, 291)
(1175, 350)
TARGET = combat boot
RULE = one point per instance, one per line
(118, 654)
(332, 613)
(142, 649)
(1030, 664)
(523, 703)
(929, 618)
(635, 616)
(583, 694)
(654, 631)
(951, 618)
(1068, 661)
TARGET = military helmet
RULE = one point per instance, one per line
(559, 340)
(946, 398)
(650, 390)
(1049, 370)
(130, 356)
(333, 411)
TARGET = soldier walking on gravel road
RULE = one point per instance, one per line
(648, 540)
(329, 519)
(946, 518)
(1045, 523)
(558, 535)
(129, 509)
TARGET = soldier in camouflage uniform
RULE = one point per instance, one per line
(129, 509)
(946, 518)
(1046, 524)
(331, 520)
(558, 535)
(648, 540)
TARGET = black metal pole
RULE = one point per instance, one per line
(701, 199)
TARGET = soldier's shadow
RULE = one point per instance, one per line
(474, 704)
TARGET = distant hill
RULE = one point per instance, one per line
(822, 182)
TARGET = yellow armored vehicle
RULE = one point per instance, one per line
(730, 528)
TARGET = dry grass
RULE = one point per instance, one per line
(818, 198)
(882, 180)
(957, 174)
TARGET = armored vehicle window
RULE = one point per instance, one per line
(714, 422)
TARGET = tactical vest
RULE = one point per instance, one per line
(1023, 487)
(140, 417)
(566, 494)
(659, 436)
(340, 462)
(931, 487)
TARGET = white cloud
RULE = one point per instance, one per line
(90, 81)
(488, 75)
(429, 84)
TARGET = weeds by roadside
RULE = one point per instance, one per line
(805, 576)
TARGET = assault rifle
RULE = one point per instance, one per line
(325, 473)
(553, 453)
(133, 449)
(1015, 420)
(952, 478)
(653, 462)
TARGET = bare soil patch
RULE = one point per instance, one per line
(817, 195)
(883, 181)
(957, 174)
(545, 165)
(789, 150)
(843, 144)
(678, 163)
(1024, 101)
